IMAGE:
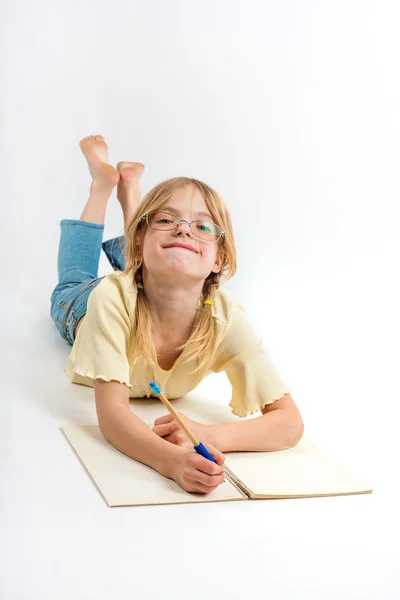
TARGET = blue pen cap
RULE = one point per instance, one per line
(156, 388)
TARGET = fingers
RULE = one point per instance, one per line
(206, 466)
(195, 473)
(165, 419)
(209, 480)
(179, 439)
(202, 489)
(198, 481)
(215, 453)
(165, 429)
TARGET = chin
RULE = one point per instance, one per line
(180, 271)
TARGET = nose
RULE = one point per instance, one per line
(183, 228)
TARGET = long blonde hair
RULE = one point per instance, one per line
(201, 343)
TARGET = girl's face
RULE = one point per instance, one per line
(195, 262)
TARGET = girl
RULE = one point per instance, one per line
(162, 315)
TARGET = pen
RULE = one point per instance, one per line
(198, 446)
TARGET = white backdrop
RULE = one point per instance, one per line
(290, 110)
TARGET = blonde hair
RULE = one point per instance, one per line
(202, 340)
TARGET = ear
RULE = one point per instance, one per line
(218, 263)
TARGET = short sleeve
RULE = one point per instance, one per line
(255, 380)
(101, 347)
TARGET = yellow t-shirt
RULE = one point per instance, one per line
(101, 350)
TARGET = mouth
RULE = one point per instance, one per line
(182, 246)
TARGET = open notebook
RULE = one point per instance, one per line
(299, 472)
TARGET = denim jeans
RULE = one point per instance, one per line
(78, 265)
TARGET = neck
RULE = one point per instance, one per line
(172, 306)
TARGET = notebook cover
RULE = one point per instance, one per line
(299, 472)
(127, 482)
(302, 471)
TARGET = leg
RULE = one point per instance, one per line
(129, 195)
(78, 262)
(128, 192)
(80, 244)
(104, 178)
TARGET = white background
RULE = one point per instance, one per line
(290, 110)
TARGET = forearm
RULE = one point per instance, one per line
(131, 436)
(276, 430)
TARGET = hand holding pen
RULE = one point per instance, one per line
(201, 471)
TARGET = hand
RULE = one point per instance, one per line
(167, 428)
(194, 473)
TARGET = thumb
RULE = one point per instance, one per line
(215, 453)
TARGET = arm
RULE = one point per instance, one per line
(280, 427)
(126, 432)
(131, 436)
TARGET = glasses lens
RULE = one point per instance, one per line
(165, 221)
(161, 220)
(206, 231)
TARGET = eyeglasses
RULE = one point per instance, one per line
(164, 221)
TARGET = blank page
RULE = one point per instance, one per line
(302, 471)
(126, 482)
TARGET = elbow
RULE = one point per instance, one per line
(296, 431)
(104, 430)
(293, 434)
(105, 426)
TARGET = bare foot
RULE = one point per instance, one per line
(95, 150)
(105, 178)
(128, 192)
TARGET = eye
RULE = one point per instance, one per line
(203, 226)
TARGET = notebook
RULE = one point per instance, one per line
(300, 472)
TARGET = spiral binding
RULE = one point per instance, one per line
(236, 482)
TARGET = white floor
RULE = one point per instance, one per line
(59, 539)
(290, 110)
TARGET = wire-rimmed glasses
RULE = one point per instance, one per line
(165, 221)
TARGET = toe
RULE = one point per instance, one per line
(84, 140)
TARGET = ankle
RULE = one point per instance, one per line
(101, 189)
(95, 208)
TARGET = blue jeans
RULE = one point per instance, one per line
(78, 265)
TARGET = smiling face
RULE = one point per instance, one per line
(178, 252)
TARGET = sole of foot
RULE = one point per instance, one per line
(95, 150)
(130, 172)
(129, 179)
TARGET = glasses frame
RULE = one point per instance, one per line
(178, 221)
